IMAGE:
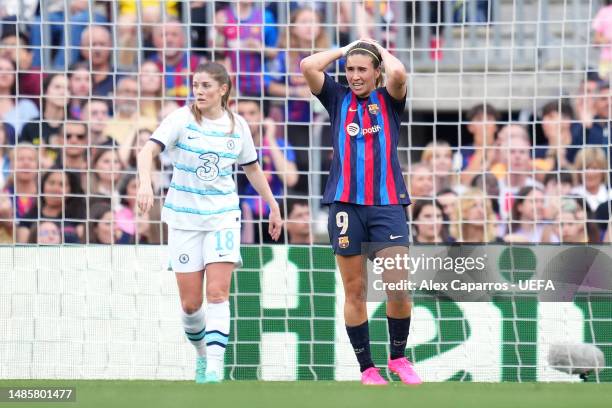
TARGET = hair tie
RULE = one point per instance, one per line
(363, 49)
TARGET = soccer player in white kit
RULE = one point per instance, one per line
(205, 140)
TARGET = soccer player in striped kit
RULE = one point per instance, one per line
(205, 140)
(365, 189)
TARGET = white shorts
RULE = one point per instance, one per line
(191, 251)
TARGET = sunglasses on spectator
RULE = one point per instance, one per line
(79, 136)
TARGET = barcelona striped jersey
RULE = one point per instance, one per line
(365, 168)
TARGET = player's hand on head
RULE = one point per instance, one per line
(144, 198)
(347, 47)
(275, 223)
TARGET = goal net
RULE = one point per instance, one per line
(504, 140)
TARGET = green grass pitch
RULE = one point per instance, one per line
(255, 394)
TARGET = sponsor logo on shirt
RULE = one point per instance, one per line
(352, 129)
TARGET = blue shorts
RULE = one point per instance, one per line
(350, 225)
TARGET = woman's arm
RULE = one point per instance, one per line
(395, 71)
(313, 66)
(145, 189)
(258, 181)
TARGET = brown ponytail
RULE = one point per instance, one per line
(219, 74)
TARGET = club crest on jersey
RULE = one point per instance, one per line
(230, 144)
(373, 109)
(352, 129)
(343, 242)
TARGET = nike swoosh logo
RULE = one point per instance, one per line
(222, 255)
(395, 236)
(193, 137)
(352, 110)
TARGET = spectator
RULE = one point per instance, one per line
(514, 163)
(74, 141)
(173, 60)
(284, 78)
(482, 125)
(22, 183)
(128, 153)
(96, 49)
(152, 12)
(13, 110)
(199, 31)
(439, 157)
(449, 200)
(421, 181)
(96, 114)
(556, 186)
(104, 175)
(61, 199)
(15, 47)
(429, 224)
(370, 20)
(5, 163)
(602, 27)
(6, 220)
(595, 123)
(78, 17)
(151, 90)
(45, 233)
(298, 222)
(126, 119)
(44, 131)
(556, 123)
(278, 163)
(79, 88)
(527, 218)
(102, 229)
(147, 228)
(572, 222)
(590, 177)
(477, 220)
(584, 100)
(487, 182)
(244, 29)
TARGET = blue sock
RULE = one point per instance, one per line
(398, 335)
(360, 340)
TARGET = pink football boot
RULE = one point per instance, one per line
(371, 376)
(403, 368)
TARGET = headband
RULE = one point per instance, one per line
(363, 49)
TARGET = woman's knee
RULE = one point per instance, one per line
(216, 294)
(191, 305)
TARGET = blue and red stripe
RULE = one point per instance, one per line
(388, 180)
(343, 189)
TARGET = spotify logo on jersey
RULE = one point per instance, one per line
(352, 129)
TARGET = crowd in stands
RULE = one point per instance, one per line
(82, 90)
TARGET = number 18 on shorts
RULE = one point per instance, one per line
(191, 251)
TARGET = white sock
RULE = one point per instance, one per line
(193, 325)
(217, 334)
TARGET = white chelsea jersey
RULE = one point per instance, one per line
(202, 193)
